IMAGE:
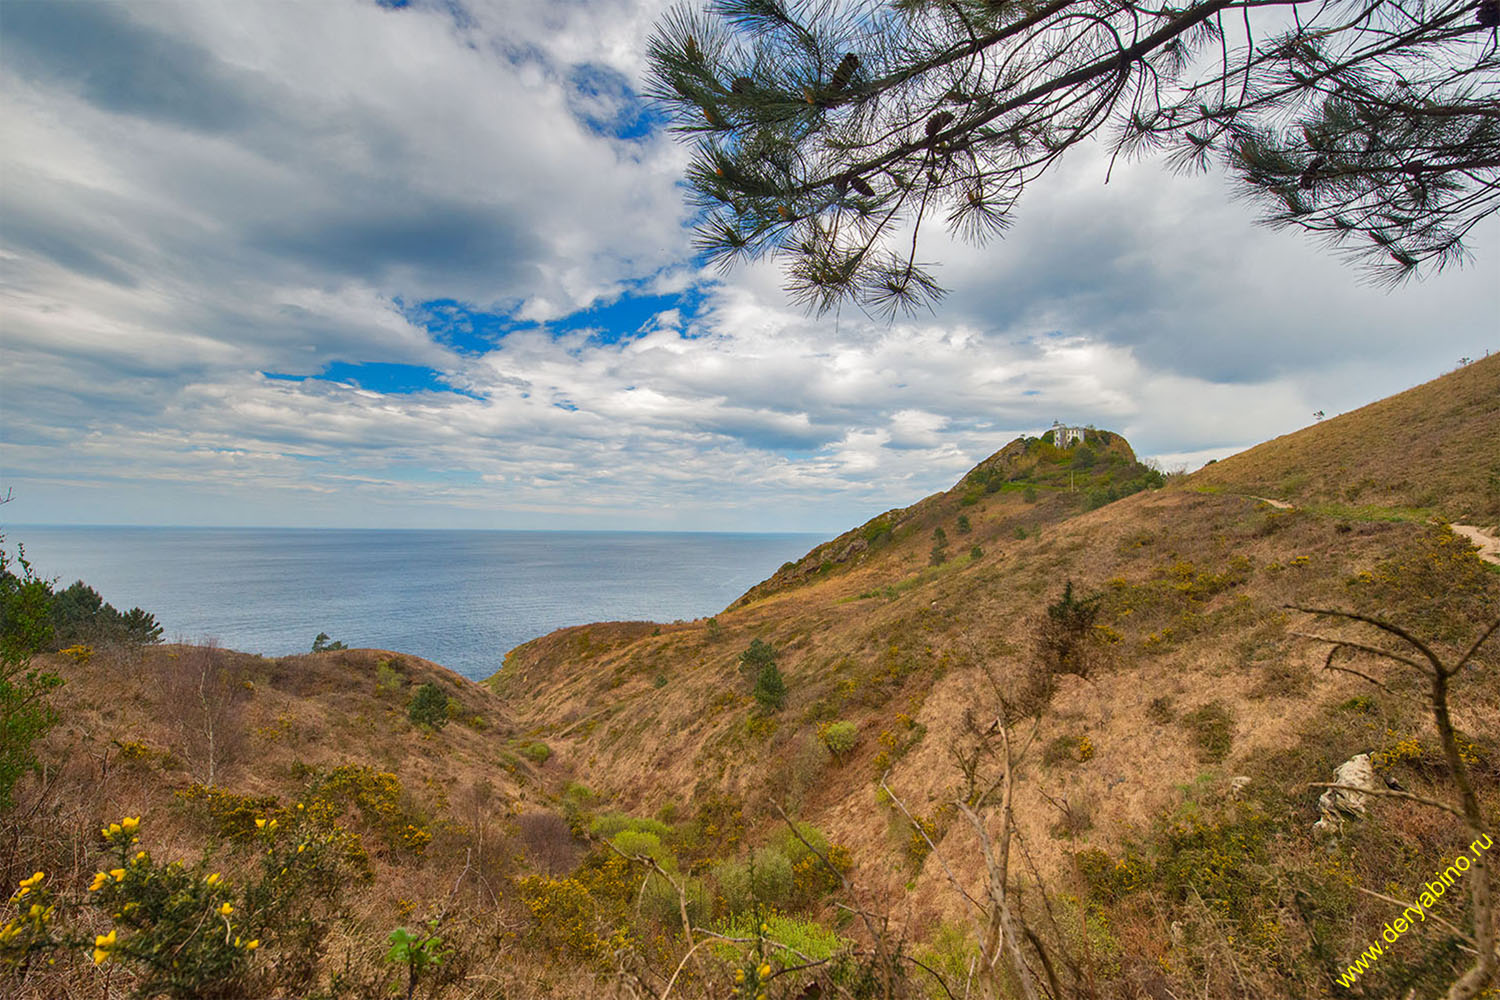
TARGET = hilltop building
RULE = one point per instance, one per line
(1066, 437)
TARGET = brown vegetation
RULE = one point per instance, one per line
(1079, 764)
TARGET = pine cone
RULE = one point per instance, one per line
(938, 122)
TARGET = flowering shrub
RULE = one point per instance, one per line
(183, 931)
(1108, 879)
(233, 815)
(377, 797)
(584, 915)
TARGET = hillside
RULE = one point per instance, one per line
(1125, 635)
(1200, 680)
(1428, 451)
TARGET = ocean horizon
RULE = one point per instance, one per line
(459, 597)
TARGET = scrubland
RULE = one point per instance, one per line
(1053, 732)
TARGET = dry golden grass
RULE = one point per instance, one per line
(124, 746)
(1429, 448)
(1193, 582)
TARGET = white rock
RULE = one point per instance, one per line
(1336, 804)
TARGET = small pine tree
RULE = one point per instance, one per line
(428, 707)
(321, 644)
(964, 527)
(770, 689)
(755, 658)
(939, 546)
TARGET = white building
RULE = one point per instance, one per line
(1066, 437)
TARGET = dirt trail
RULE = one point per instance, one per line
(1487, 542)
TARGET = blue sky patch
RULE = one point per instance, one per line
(468, 331)
(475, 332)
(387, 378)
(605, 102)
(626, 316)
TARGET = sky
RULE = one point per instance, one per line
(430, 265)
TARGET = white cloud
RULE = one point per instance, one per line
(224, 190)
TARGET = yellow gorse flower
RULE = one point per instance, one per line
(100, 881)
(27, 883)
(102, 945)
(118, 874)
(213, 879)
(130, 824)
(225, 909)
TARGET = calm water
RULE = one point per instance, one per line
(460, 598)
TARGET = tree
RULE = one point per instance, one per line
(827, 132)
(756, 657)
(939, 547)
(770, 689)
(25, 629)
(428, 707)
(321, 644)
(209, 707)
(1439, 675)
(81, 615)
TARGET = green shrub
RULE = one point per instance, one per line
(794, 846)
(839, 737)
(788, 941)
(643, 844)
(766, 879)
(953, 954)
(964, 527)
(25, 628)
(606, 825)
(428, 707)
(536, 751)
(733, 880)
(388, 680)
(660, 902)
(771, 877)
(416, 952)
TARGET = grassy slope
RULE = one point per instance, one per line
(120, 749)
(1194, 583)
(1432, 448)
(1193, 579)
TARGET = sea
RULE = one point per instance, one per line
(458, 598)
